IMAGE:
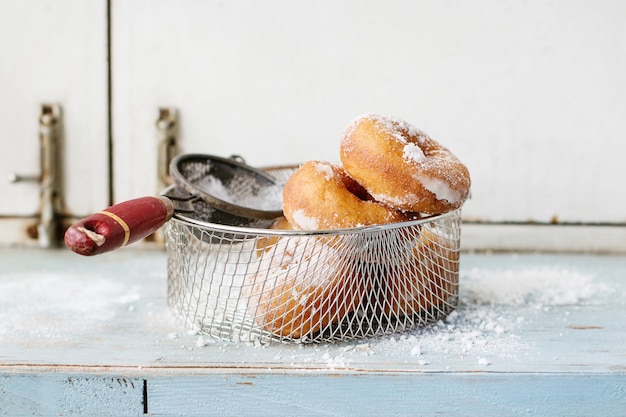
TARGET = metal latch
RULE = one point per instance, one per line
(167, 143)
(50, 178)
(167, 132)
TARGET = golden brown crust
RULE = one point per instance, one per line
(305, 284)
(321, 196)
(302, 287)
(265, 243)
(403, 167)
(426, 279)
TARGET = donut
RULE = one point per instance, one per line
(302, 287)
(424, 282)
(322, 196)
(306, 285)
(402, 167)
(265, 243)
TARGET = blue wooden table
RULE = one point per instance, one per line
(533, 335)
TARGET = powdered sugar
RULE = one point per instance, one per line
(326, 169)
(493, 306)
(516, 312)
(496, 307)
(439, 187)
(305, 222)
(413, 153)
(393, 125)
(536, 287)
(61, 305)
(242, 191)
(410, 153)
(396, 200)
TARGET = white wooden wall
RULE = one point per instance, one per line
(530, 94)
(52, 51)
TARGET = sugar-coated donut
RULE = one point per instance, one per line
(403, 167)
(321, 196)
(265, 243)
(302, 287)
(424, 281)
(391, 172)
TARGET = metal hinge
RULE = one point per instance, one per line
(167, 132)
(50, 176)
(167, 143)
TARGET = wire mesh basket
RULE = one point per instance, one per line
(264, 285)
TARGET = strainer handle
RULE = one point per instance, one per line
(118, 225)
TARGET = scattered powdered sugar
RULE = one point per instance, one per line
(413, 130)
(243, 191)
(393, 124)
(495, 308)
(414, 153)
(61, 305)
(433, 166)
(216, 188)
(326, 169)
(484, 361)
(305, 222)
(439, 187)
(535, 287)
(396, 200)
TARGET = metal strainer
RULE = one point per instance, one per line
(228, 185)
(207, 188)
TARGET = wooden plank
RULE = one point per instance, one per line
(315, 394)
(485, 394)
(54, 394)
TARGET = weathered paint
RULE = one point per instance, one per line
(76, 394)
(316, 394)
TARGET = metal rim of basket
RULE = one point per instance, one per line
(271, 171)
(275, 232)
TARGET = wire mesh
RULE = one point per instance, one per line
(263, 285)
(228, 185)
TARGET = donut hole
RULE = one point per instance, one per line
(355, 188)
(322, 196)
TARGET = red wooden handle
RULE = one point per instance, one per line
(118, 225)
